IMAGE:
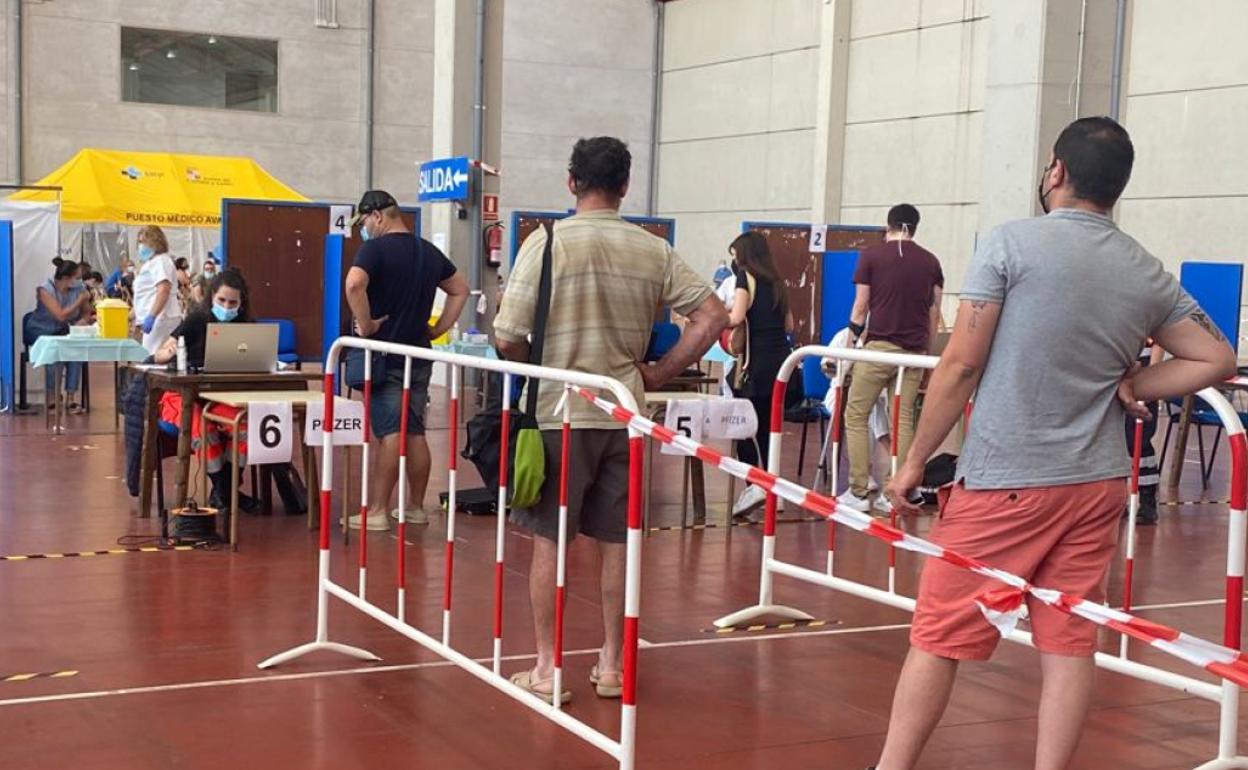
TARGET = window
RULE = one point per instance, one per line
(198, 70)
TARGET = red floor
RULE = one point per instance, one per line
(165, 644)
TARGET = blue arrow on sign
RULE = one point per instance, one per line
(445, 179)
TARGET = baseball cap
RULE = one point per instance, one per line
(373, 200)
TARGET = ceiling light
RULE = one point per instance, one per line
(212, 40)
(171, 54)
(134, 67)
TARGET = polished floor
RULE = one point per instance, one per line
(163, 646)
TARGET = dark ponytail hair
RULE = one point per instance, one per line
(64, 268)
(233, 278)
(754, 257)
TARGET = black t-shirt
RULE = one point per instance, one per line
(194, 328)
(765, 315)
(403, 275)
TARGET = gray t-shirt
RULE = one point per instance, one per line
(1078, 297)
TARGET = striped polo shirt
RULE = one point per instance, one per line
(609, 280)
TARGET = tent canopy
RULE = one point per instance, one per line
(155, 188)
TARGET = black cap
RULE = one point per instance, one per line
(373, 200)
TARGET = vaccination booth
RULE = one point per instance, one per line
(91, 209)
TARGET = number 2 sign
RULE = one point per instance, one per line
(269, 433)
(818, 238)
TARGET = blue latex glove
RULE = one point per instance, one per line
(148, 324)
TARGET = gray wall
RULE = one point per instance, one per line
(314, 142)
(572, 69)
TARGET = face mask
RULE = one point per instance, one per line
(224, 314)
(145, 252)
(1043, 193)
(364, 236)
(210, 271)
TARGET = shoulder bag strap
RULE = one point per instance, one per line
(541, 314)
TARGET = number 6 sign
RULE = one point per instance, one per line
(268, 433)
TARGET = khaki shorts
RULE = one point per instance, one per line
(597, 487)
(1061, 537)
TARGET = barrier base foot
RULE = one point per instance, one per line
(304, 649)
(761, 610)
(1232, 763)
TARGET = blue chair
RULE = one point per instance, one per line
(1203, 416)
(663, 337)
(287, 349)
(814, 388)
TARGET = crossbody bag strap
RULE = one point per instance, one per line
(541, 315)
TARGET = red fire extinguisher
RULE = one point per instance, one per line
(494, 244)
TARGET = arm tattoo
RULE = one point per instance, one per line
(1203, 321)
(976, 306)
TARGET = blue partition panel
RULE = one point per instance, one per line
(331, 320)
(8, 351)
(838, 292)
(1218, 287)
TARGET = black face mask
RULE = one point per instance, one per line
(1043, 193)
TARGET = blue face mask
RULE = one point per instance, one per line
(224, 314)
(145, 252)
(364, 236)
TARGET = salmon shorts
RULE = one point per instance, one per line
(1061, 537)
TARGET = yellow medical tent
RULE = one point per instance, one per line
(154, 188)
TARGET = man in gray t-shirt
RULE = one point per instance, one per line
(1051, 318)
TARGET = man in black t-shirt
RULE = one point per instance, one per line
(390, 289)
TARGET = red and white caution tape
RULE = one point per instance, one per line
(1003, 607)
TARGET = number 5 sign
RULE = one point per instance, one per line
(685, 418)
(269, 433)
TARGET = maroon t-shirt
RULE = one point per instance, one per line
(902, 285)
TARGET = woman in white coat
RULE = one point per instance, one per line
(157, 311)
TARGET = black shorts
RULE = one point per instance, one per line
(597, 487)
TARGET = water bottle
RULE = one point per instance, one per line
(455, 332)
(181, 355)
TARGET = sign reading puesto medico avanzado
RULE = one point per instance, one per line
(445, 179)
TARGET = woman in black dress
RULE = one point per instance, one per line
(762, 301)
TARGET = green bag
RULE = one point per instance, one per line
(529, 460)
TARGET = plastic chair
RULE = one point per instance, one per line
(814, 388)
(287, 347)
(663, 337)
(1202, 416)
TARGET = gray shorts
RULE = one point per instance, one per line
(386, 407)
(597, 487)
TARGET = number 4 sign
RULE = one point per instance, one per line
(268, 433)
(339, 216)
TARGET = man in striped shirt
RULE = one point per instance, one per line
(609, 278)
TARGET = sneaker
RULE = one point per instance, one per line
(377, 522)
(881, 504)
(915, 497)
(751, 497)
(872, 485)
(414, 516)
(850, 500)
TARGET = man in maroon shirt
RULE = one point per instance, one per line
(896, 310)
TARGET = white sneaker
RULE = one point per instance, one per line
(881, 504)
(850, 500)
(414, 516)
(377, 522)
(872, 485)
(751, 497)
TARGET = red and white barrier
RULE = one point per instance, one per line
(1213, 658)
(621, 749)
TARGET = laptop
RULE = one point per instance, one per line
(240, 348)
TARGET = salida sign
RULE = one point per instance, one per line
(445, 179)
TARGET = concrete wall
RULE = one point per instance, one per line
(913, 128)
(315, 140)
(572, 69)
(1186, 108)
(738, 117)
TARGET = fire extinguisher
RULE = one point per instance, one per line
(494, 244)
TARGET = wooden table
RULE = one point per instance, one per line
(189, 387)
(300, 401)
(1239, 383)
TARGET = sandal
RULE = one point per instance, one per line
(606, 690)
(525, 681)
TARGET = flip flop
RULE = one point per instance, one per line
(605, 690)
(525, 681)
